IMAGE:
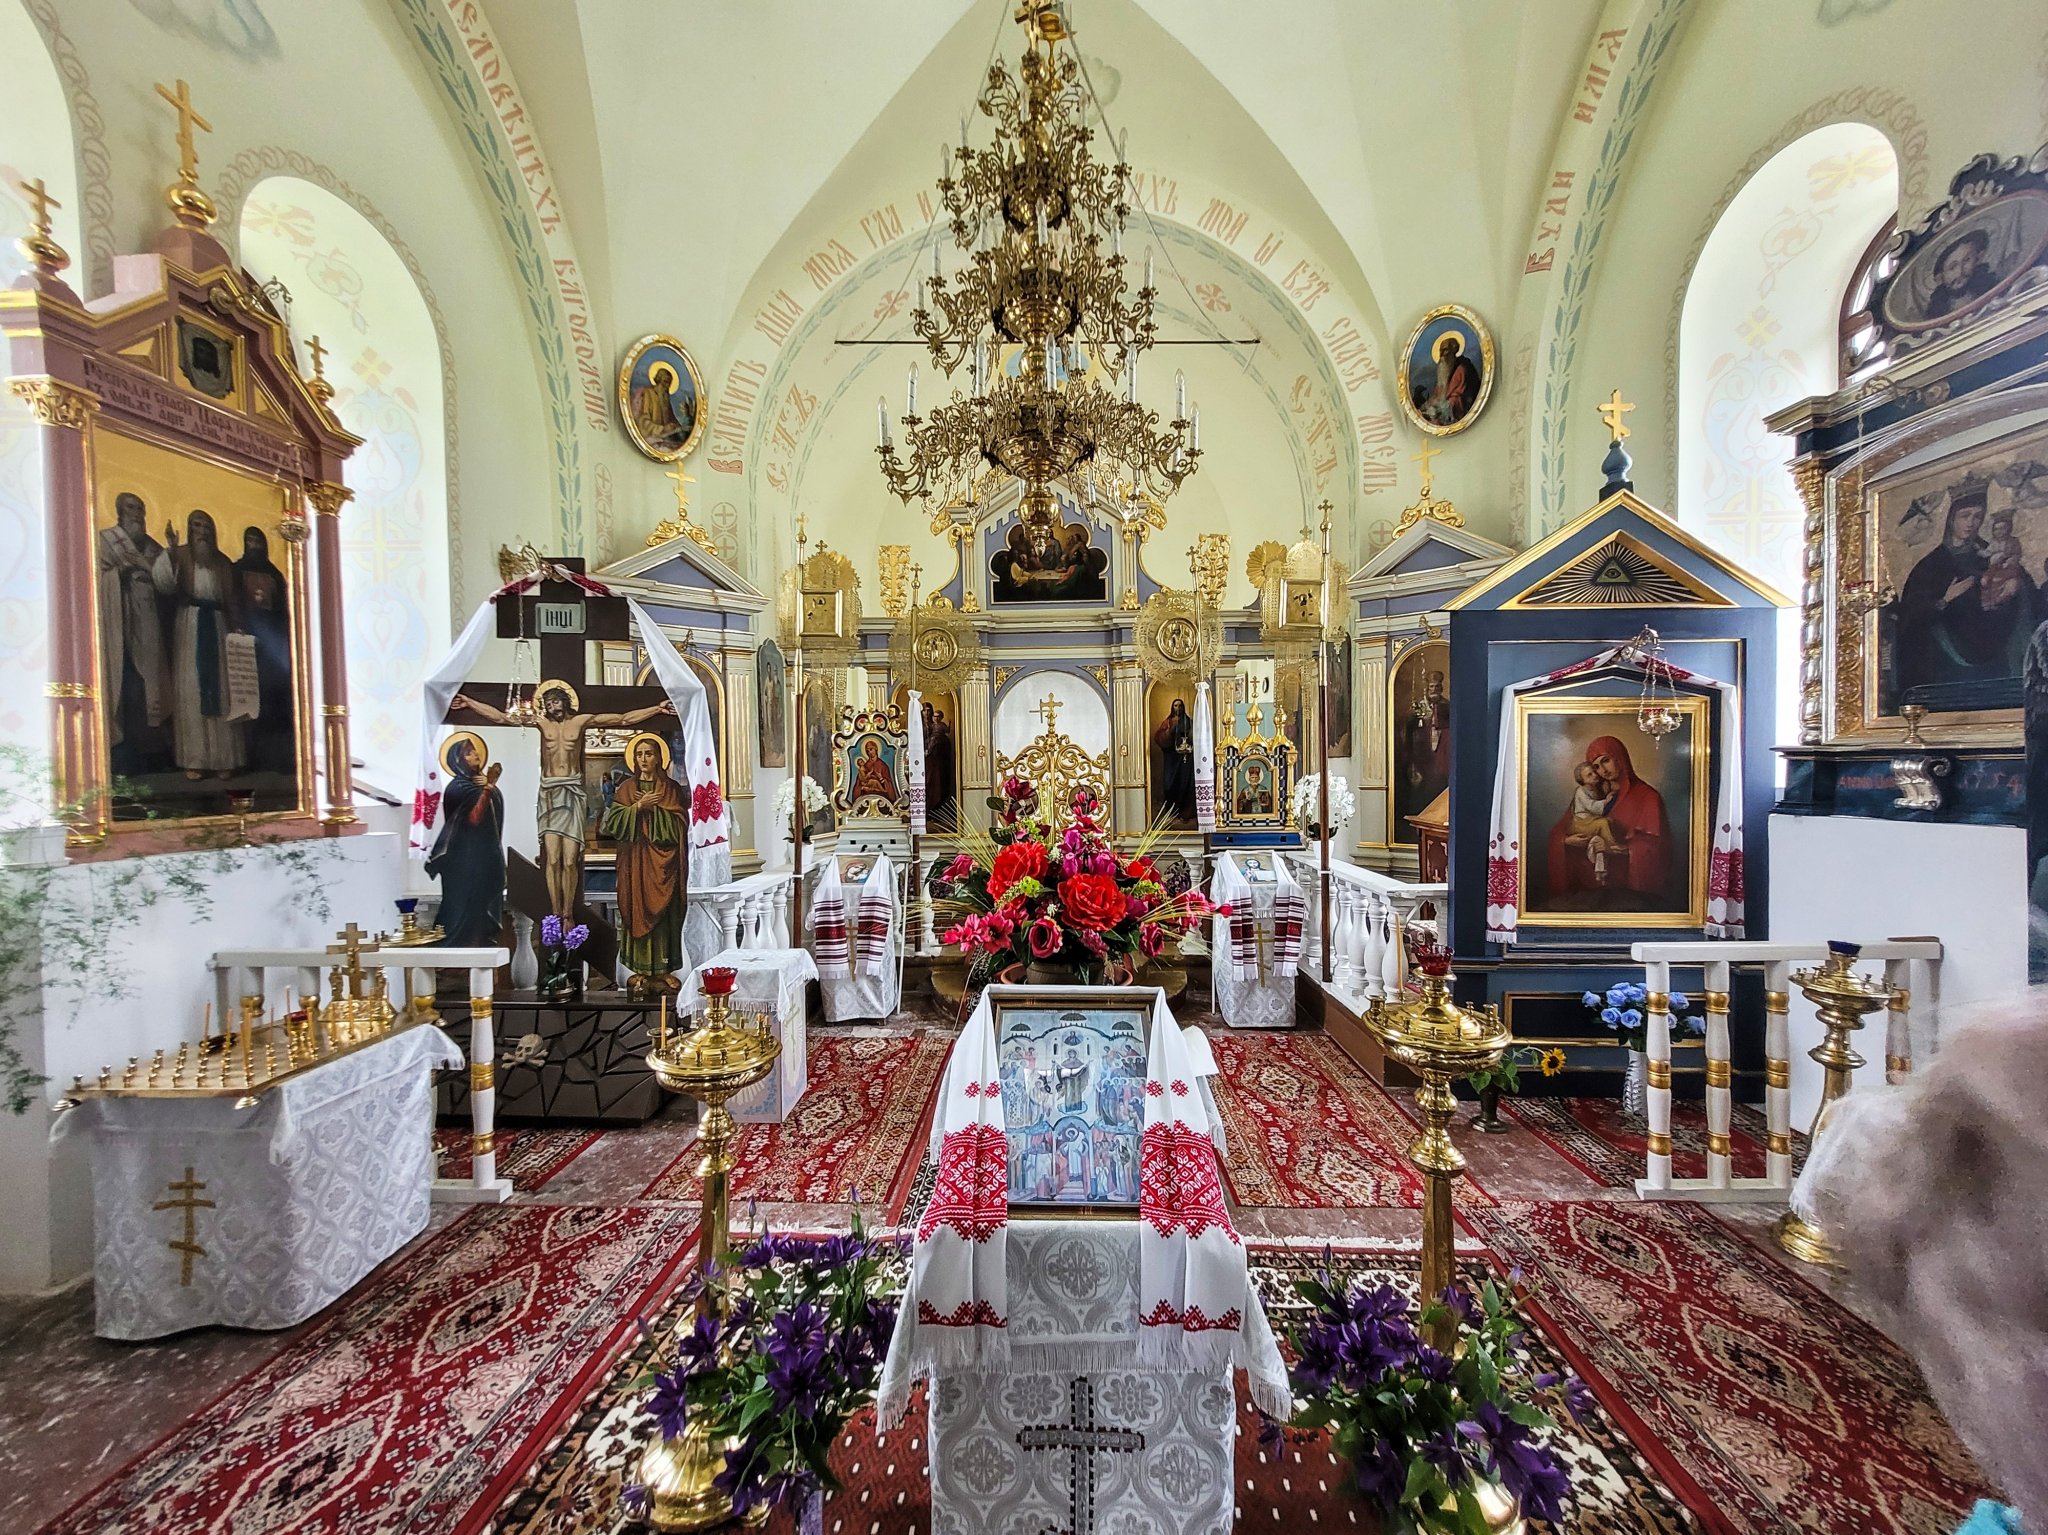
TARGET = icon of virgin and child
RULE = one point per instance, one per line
(1611, 849)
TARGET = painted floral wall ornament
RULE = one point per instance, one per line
(661, 398)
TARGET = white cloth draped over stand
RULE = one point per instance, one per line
(1252, 970)
(303, 1194)
(856, 933)
(768, 981)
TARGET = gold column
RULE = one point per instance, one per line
(328, 499)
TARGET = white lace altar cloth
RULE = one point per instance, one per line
(1074, 1434)
(205, 1214)
(768, 980)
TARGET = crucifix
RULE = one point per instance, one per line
(188, 119)
(1612, 409)
(561, 706)
(1083, 1439)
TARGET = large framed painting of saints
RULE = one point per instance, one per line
(203, 637)
(1962, 540)
(1072, 1066)
(1614, 823)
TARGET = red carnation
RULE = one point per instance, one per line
(1092, 901)
(1020, 860)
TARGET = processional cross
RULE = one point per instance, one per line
(1083, 1439)
(561, 705)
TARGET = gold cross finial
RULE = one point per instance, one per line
(683, 482)
(40, 204)
(1612, 409)
(319, 355)
(1325, 508)
(192, 207)
(1429, 451)
(47, 255)
(188, 119)
(1049, 712)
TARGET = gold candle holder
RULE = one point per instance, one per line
(1843, 1000)
(710, 1063)
(1440, 1042)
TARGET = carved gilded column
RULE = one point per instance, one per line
(977, 758)
(1811, 480)
(327, 498)
(77, 763)
(1131, 743)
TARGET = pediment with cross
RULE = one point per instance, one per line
(1623, 553)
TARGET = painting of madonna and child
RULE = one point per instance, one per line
(1614, 821)
(1965, 539)
(1073, 1101)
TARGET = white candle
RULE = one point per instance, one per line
(910, 391)
(920, 293)
(1041, 223)
(945, 163)
(963, 133)
(882, 420)
(1051, 376)
(1180, 396)
(936, 273)
(1123, 146)
(1116, 240)
(1195, 431)
(1131, 375)
(1148, 269)
(980, 365)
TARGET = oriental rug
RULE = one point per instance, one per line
(577, 1487)
(1306, 1129)
(411, 1408)
(1608, 1145)
(528, 1157)
(1766, 1405)
(859, 1125)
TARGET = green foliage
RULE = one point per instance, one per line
(67, 930)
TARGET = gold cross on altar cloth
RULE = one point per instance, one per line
(42, 202)
(1429, 451)
(1048, 711)
(188, 119)
(1612, 409)
(187, 1189)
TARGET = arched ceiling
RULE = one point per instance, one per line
(1357, 161)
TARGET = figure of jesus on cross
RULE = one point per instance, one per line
(564, 806)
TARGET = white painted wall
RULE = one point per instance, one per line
(1845, 877)
(46, 1197)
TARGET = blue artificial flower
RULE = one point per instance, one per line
(1592, 999)
(1611, 1016)
(1680, 1002)
(1630, 1018)
(668, 1406)
(1617, 994)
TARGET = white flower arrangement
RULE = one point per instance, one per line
(785, 801)
(1307, 807)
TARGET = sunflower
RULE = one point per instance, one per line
(1551, 1062)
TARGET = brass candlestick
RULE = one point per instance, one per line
(709, 1063)
(1843, 1000)
(1440, 1042)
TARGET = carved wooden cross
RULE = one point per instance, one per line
(1083, 1439)
(188, 119)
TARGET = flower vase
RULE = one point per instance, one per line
(525, 963)
(1489, 1119)
(561, 978)
(1635, 1086)
(1054, 974)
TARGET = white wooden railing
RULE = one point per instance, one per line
(1370, 915)
(239, 973)
(1777, 961)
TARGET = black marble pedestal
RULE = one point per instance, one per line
(565, 1062)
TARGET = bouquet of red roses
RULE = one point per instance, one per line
(1026, 893)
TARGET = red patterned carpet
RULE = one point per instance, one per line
(1307, 1129)
(528, 1157)
(422, 1396)
(1775, 1408)
(860, 1124)
(1608, 1146)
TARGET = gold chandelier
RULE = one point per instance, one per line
(1038, 311)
